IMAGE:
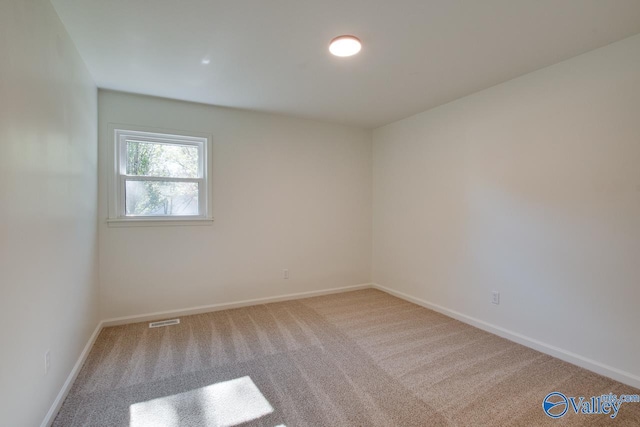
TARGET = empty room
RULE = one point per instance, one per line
(319, 213)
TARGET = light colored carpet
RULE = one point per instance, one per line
(361, 358)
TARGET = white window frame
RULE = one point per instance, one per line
(119, 177)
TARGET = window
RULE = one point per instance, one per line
(159, 177)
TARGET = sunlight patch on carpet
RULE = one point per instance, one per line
(223, 404)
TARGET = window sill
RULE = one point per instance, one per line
(153, 222)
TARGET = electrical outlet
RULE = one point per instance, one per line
(495, 297)
(47, 361)
(285, 274)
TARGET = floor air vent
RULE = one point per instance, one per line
(164, 323)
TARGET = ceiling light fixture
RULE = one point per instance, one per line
(206, 61)
(345, 46)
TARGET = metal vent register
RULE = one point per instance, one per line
(164, 323)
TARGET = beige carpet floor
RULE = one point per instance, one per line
(361, 358)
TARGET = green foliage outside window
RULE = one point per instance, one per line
(165, 197)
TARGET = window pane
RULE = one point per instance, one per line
(160, 198)
(162, 160)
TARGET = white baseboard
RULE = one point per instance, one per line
(66, 387)
(567, 356)
(226, 306)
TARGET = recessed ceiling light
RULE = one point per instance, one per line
(206, 61)
(345, 46)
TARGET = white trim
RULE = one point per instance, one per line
(142, 178)
(225, 306)
(153, 222)
(117, 135)
(66, 387)
(573, 358)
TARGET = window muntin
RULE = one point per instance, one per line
(160, 176)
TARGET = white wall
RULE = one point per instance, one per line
(530, 188)
(48, 198)
(287, 193)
